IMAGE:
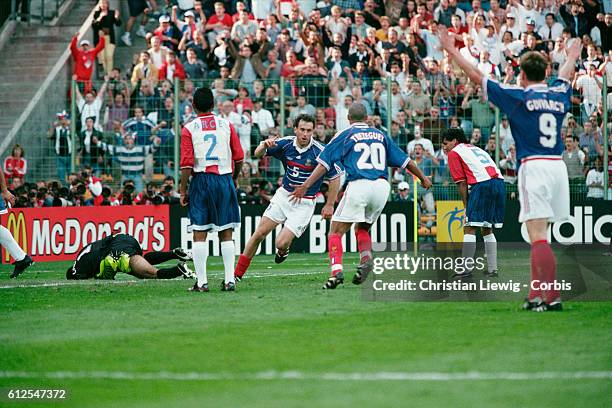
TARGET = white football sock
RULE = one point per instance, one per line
(200, 256)
(228, 252)
(12, 247)
(469, 248)
(490, 244)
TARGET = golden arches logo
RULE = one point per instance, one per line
(17, 226)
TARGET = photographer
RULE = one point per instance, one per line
(106, 198)
(126, 195)
(147, 196)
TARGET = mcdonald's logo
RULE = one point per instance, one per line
(17, 226)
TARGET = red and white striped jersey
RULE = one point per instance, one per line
(210, 144)
(472, 164)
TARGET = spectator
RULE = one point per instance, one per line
(189, 27)
(482, 115)
(595, 180)
(573, 158)
(425, 144)
(90, 106)
(15, 166)
(574, 18)
(137, 7)
(509, 166)
(104, 21)
(248, 66)
(476, 138)
(426, 162)
(194, 68)
(119, 110)
(418, 103)
(84, 59)
(157, 52)
(139, 127)
(243, 102)
(403, 193)
(60, 134)
(243, 28)
(589, 140)
(219, 23)
(227, 112)
(89, 153)
(302, 108)
(131, 158)
(551, 30)
(171, 68)
(145, 69)
(589, 86)
(167, 33)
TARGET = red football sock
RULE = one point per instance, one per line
(364, 244)
(546, 265)
(334, 246)
(242, 266)
(535, 276)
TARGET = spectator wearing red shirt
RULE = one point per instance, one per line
(217, 24)
(239, 7)
(84, 60)
(421, 19)
(15, 166)
(171, 68)
(458, 29)
(243, 101)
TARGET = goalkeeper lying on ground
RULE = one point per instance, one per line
(122, 253)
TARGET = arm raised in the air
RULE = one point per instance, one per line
(447, 41)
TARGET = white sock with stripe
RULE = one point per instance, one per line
(200, 257)
(12, 247)
(490, 244)
(469, 248)
(228, 252)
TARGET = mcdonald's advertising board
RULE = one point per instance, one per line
(58, 233)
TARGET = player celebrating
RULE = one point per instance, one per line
(298, 154)
(485, 203)
(104, 258)
(364, 153)
(22, 260)
(536, 113)
(211, 151)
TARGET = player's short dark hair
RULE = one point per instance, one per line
(203, 100)
(534, 64)
(304, 118)
(454, 133)
(357, 112)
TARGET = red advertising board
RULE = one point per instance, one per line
(59, 233)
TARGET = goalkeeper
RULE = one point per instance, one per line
(103, 259)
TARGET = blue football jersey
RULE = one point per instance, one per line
(535, 114)
(363, 152)
(299, 163)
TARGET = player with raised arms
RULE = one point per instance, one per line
(298, 155)
(482, 191)
(536, 112)
(22, 260)
(364, 153)
(212, 154)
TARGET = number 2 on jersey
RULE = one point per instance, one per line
(548, 127)
(372, 156)
(213, 143)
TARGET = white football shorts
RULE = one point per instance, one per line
(543, 189)
(363, 201)
(296, 217)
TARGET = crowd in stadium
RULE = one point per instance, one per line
(329, 54)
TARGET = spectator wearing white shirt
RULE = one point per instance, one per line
(505, 134)
(551, 30)
(589, 86)
(158, 52)
(595, 180)
(227, 112)
(262, 118)
(90, 106)
(511, 25)
(419, 139)
(485, 66)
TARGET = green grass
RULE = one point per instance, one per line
(287, 323)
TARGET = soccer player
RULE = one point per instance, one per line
(211, 152)
(298, 154)
(104, 258)
(535, 113)
(484, 200)
(22, 260)
(364, 153)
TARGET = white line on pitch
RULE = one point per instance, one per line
(94, 282)
(299, 375)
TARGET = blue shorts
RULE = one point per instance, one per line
(3, 207)
(486, 204)
(213, 203)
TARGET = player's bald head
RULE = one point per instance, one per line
(357, 113)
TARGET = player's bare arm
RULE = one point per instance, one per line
(300, 191)
(185, 173)
(332, 195)
(414, 169)
(447, 41)
(262, 148)
(462, 186)
(574, 50)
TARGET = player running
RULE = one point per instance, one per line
(22, 260)
(535, 113)
(104, 258)
(364, 153)
(298, 155)
(484, 200)
(211, 152)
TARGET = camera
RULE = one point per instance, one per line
(128, 189)
(158, 199)
(81, 189)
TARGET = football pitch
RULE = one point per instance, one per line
(282, 341)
